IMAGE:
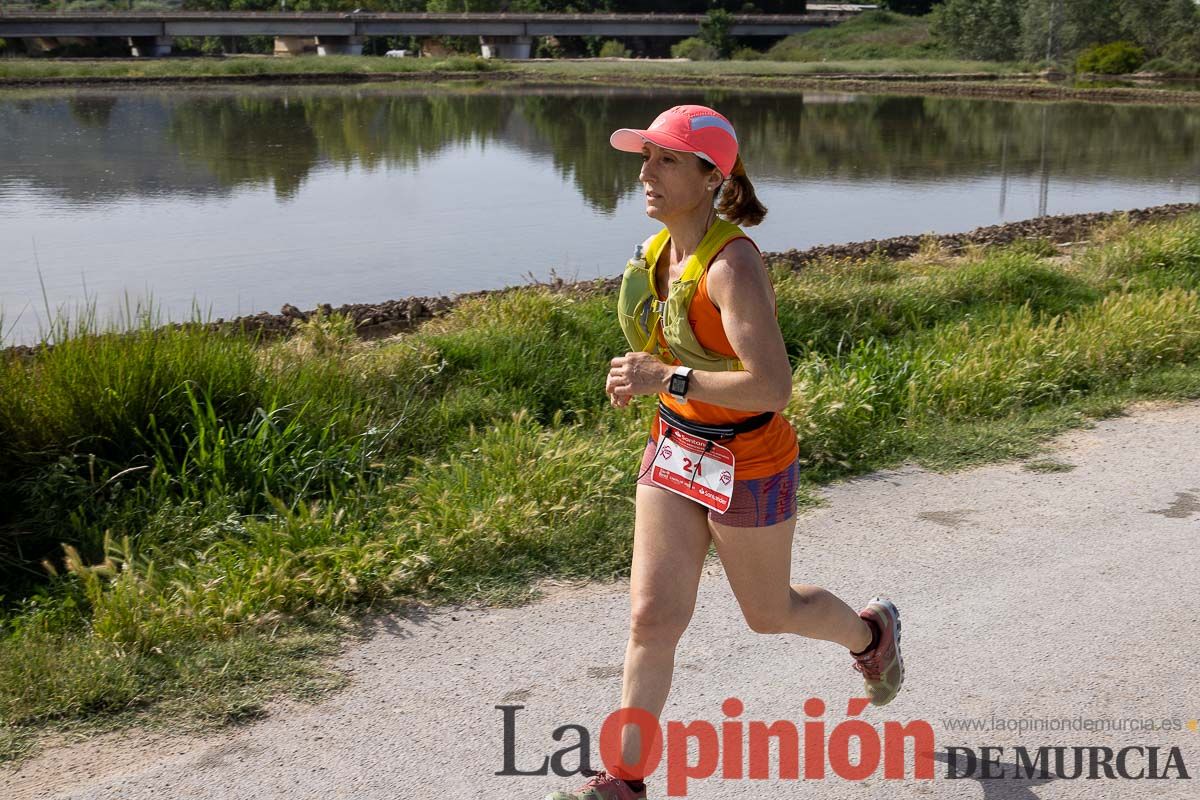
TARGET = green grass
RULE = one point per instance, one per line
(870, 35)
(563, 70)
(1048, 465)
(32, 68)
(190, 518)
(652, 69)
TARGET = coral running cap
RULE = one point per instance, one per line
(691, 129)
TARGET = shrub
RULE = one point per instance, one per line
(1163, 66)
(549, 47)
(694, 49)
(614, 49)
(747, 54)
(1114, 58)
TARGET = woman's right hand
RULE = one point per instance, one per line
(618, 399)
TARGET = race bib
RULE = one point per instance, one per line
(682, 466)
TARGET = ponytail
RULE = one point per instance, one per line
(738, 203)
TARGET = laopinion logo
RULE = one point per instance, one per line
(741, 749)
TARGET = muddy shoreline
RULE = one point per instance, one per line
(1014, 86)
(1014, 91)
(282, 79)
(377, 320)
(1017, 86)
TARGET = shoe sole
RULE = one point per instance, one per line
(556, 795)
(899, 656)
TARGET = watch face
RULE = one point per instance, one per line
(678, 384)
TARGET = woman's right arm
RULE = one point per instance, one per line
(622, 402)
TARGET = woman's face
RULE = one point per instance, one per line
(676, 183)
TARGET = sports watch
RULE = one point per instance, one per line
(678, 385)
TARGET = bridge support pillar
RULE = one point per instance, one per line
(150, 46)
(339, 45)
(295, 45)
(511, 47)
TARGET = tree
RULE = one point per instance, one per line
(1057, 29)
(714, 31)
(1155, 24)
(984, 29)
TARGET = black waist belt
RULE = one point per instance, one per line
(713, 432)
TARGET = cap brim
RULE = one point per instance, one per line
(630, 140)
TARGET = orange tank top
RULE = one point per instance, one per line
(758, 453)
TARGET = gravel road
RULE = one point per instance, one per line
(1023, 594)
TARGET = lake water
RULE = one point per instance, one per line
(235, 201)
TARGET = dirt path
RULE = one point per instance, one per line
(1022, 593)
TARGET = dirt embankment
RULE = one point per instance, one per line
(1016, 86)
(1003, 89)
(1058, 229)
(375, 320)
(1156, 89)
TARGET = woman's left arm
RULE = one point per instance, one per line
(740, 287)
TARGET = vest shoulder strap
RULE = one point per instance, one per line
(720, 234)
(654, 251)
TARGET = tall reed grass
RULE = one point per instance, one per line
(172, 497)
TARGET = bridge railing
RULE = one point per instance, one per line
(134, 7)
(89, 6)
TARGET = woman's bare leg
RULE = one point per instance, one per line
(670, 541)
(758, 564)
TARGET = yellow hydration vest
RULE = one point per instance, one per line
(640, 311)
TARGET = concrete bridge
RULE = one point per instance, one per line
(500, 35)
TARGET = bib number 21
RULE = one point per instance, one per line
(682, 466)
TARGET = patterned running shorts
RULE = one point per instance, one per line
(756, 502)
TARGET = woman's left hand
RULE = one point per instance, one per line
(636, 374)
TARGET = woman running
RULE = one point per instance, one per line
(698, 309)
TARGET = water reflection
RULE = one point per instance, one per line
(244, 199)
(277, 139)
(92, 112)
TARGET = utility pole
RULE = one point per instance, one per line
(1050, 30)
(1044, 186)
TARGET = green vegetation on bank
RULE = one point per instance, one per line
(870, 35)
(644, 70)
(32, 68)
(562, 70)
(1114, 58)
(189, 517)
(1058, 32)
